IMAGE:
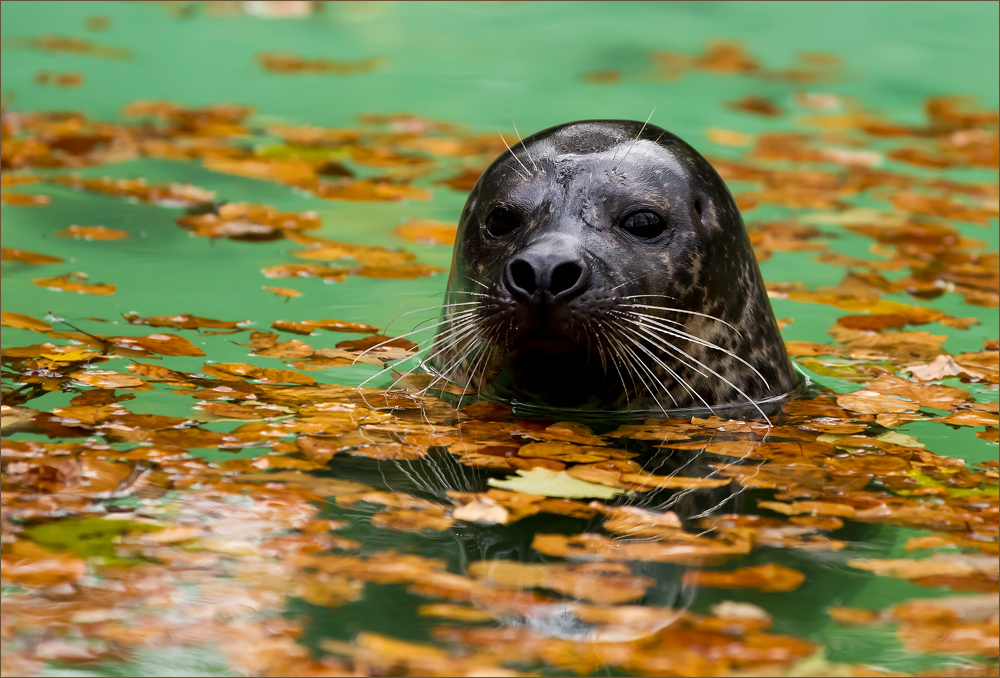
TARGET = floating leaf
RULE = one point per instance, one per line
(183, 321)
(74, 282)
(310, 326)
(553, 484)
(109, 379)
(427, 231)
(24, 199)
(306, 271)
(23, 322)
(92, 233)
(768, 577)
(286, 292)
(13, 254)
(162, 344)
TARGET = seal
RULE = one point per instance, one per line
(603, 265)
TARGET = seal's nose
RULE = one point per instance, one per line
(534, 276)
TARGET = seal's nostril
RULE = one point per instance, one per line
(522, 276)
(564, 277)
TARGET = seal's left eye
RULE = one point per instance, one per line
(502, 221)
(644, 225)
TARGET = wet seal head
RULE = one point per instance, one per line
(603, 265)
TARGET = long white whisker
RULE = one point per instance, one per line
(641, 346)
(652, 320)
(636, 139)
(463, 326)
(681, 310)
(527, 171)
(463, 314)
(526, 151)
(670, 370)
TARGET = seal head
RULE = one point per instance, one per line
(604, 265)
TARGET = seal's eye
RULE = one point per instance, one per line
(644, 225)
(502, 221)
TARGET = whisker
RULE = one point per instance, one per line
(681, 310)
(653, 392)
(697, 340)
(527, 171)
(636, 139)
(462, 315)
(526, 151)
(672, 373)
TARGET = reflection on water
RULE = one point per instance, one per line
(192, 291)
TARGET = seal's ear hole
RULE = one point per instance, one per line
(644, 225)
(502, 221)
(698, 207)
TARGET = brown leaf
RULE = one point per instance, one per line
(942, 367)
(310, 326)
(727, 137)
(427, 231)
(287, 349)
(398, 272)
(14, 254)
(73, 282)
(110, 379)
(184, 321)
(756, 105)
(162, 344)
(769, 578)
(92, 233)
(374, 340)
(241, 371)
(871, 402)
(925, 395)
(23, 322)
(157, 372)
(568, 452)
(286, 292)
(24, 199)
(602, 583)
(306, 271)
(287, 63)
(484, 510)
(970, 418)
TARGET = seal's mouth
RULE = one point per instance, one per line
(554, 369)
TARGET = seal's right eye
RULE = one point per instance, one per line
(644, 225)
(502, 221)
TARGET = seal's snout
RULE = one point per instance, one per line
(546, 276)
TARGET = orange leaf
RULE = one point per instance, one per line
(13, 254)
(23, 322)
(72, 282)
(92, 233)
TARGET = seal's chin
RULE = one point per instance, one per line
(554, 370)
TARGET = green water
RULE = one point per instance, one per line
(477, 65)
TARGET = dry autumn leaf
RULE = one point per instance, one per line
(427, 231)
(75, 282)
(92, 233)
(14, 254)
(183, 321)
(23, 322)
(162, 344)
(24, 199)
(286, 292)
(310, 326)
(871, 402)
(769, 578)
(109, 379)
